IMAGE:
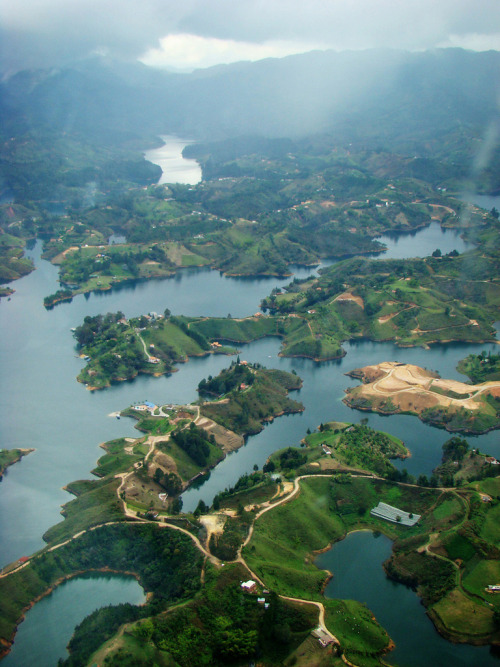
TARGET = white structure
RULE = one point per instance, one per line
(249, 586)
(395, 515)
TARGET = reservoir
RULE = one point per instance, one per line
(176, 169)
(356, 565)
(44, 407)
(44, 634)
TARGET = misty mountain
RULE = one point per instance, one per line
(436, 104)
(376, 95)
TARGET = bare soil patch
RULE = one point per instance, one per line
(228, 440)
(347, 296)
(410, 388)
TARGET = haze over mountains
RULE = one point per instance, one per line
(363, 93)
(433, 104)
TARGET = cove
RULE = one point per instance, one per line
(42, 637)
(356, 565)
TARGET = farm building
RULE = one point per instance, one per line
(395, 515)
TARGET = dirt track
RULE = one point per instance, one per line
(413, 388)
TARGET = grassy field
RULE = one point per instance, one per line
(186, 467)
(283, 539)
(116, 459)
(459, 616)
(484, 573)
(490, 529)
(361, 637)
(97, 504)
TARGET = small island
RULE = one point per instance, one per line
(10, 456)
(392, 387)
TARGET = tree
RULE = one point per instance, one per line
(437, 253)
(270, 466)
(177, 506)
(495, 213)
(158, 476)
(455, 449)
(201, 509)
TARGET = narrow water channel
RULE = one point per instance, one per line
(356, 565)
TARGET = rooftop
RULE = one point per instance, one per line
(390, 513)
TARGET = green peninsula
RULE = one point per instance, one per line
(249, 395)
(119, 349)
(482, 367)
(10, 456)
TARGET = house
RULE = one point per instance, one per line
(146, 406)
(323, 637)
(326, 449)
(153, 360)
(249, 586)
(492, 460)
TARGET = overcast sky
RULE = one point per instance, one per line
(188, 34)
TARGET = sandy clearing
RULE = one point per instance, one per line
(411, 388)
(58, 259)
(214, 524)
(347, 296)
(386, 318)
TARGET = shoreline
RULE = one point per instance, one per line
(6, 644)
(22, 451)
(441, 425)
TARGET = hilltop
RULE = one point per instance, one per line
(391, 387)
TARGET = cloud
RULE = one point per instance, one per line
(192, 51)
(51, 32)
(473, 42)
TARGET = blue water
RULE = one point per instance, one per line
(356, 565)
(43, 636)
